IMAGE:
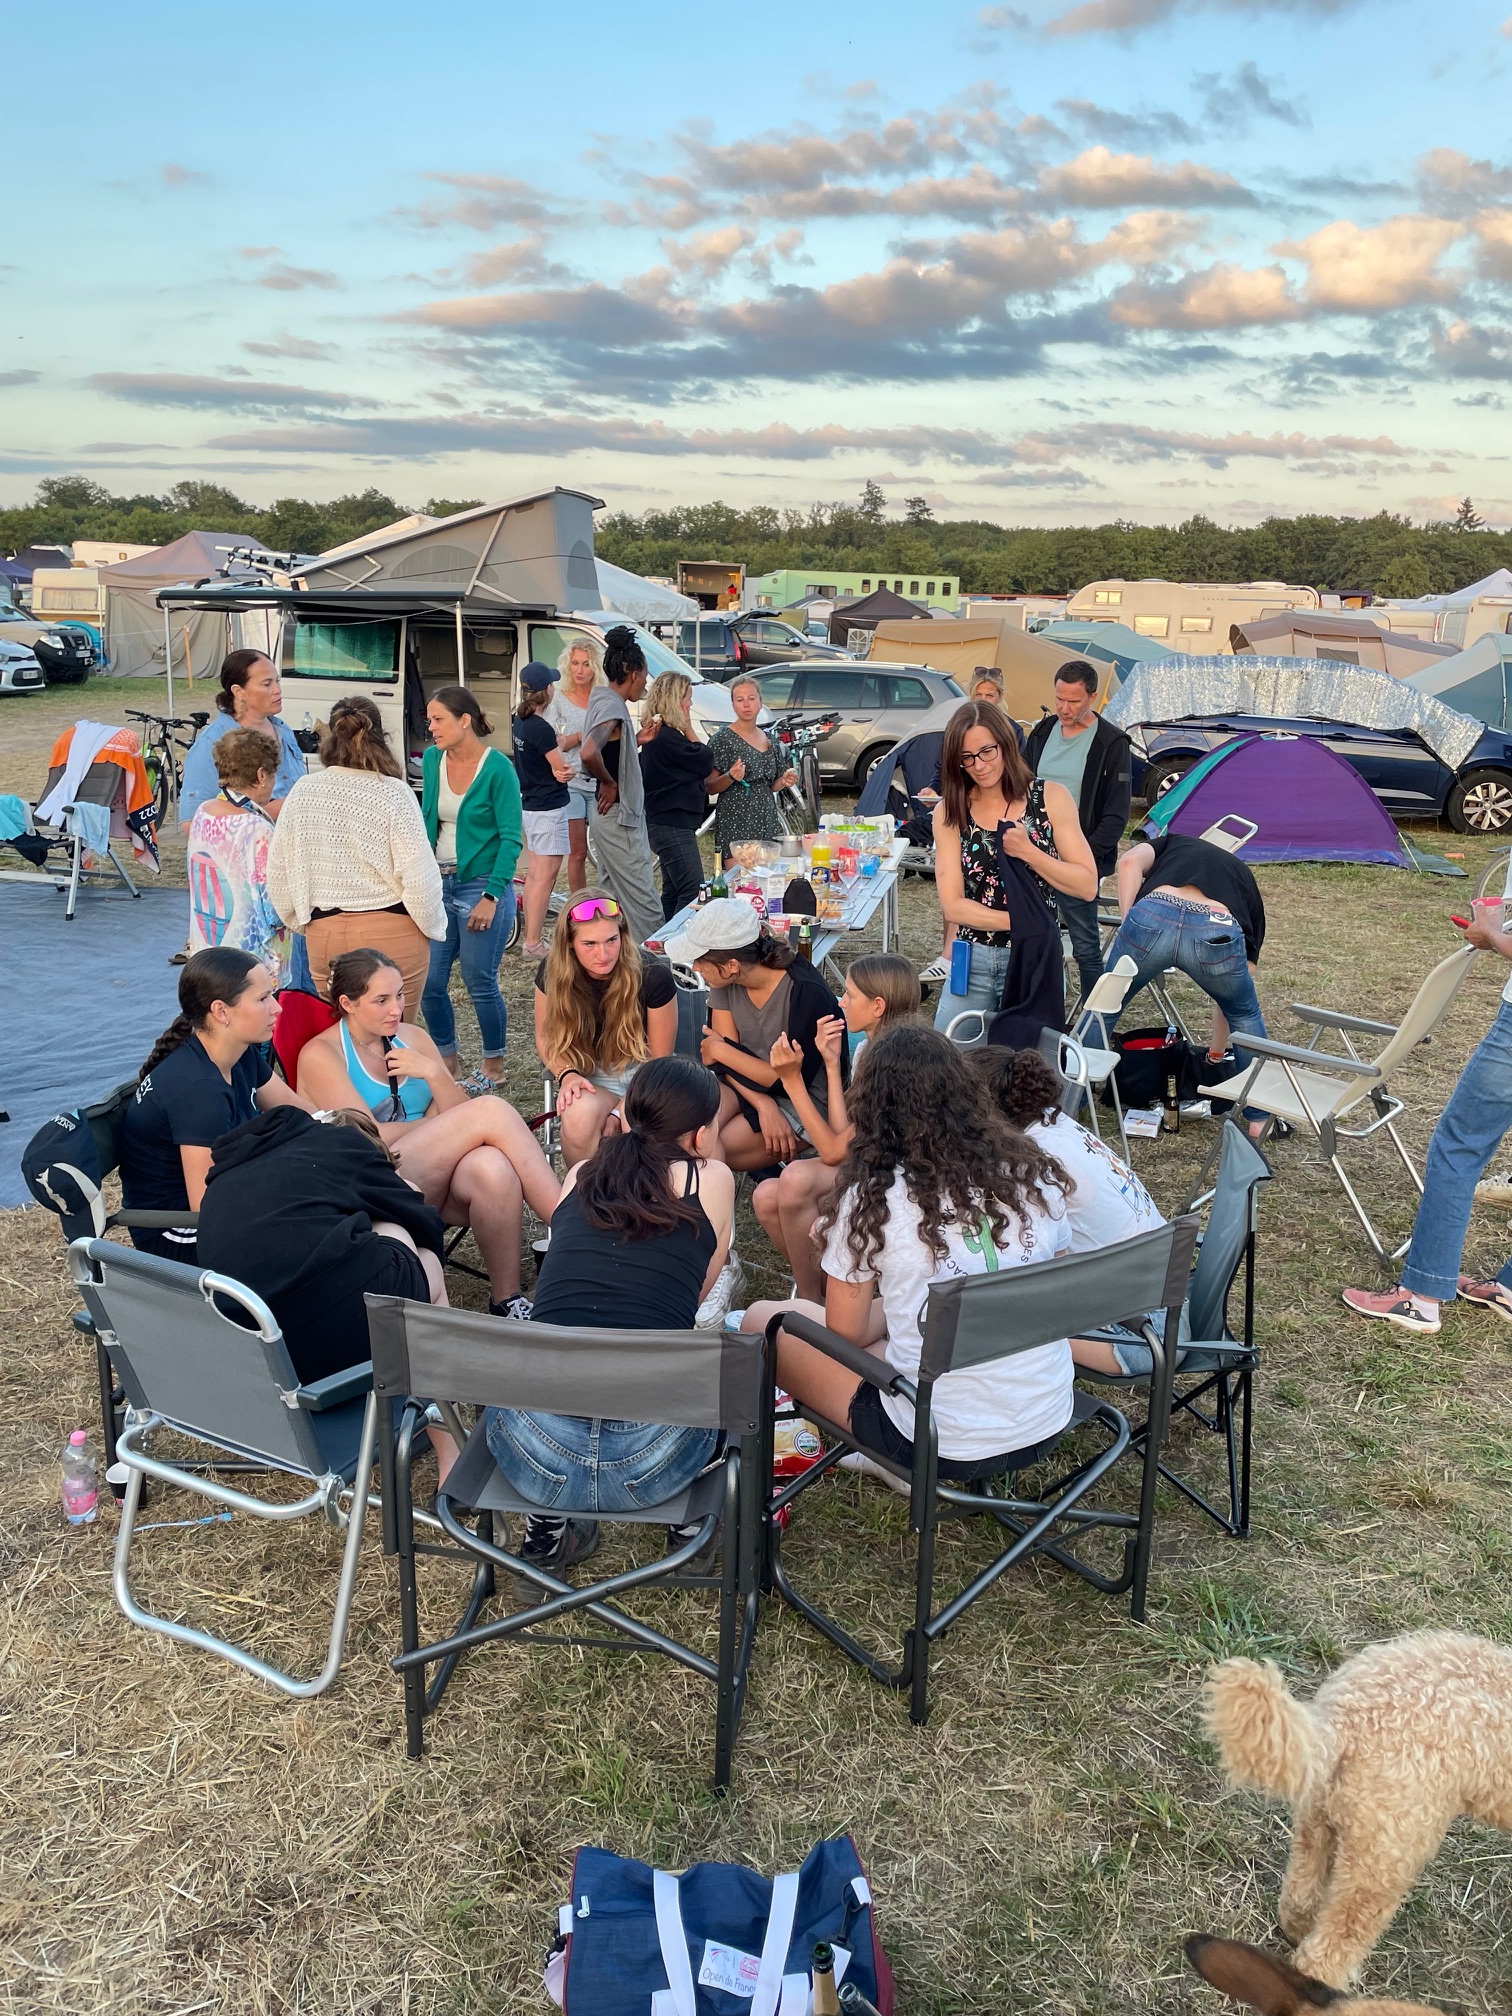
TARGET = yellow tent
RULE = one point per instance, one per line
(1027, 662)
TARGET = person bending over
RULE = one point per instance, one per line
(474, 1160)
(1105, 1200)
(881, 990)
(936, 1186)
(207, 1073)
(600, 1012)
(637, 1243)
(758, 990)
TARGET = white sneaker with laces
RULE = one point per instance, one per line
(858, 1461)
(937, 969)
(728, 1283)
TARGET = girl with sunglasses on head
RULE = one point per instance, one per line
(600, 1012)
(990, 800)
(474, 1160)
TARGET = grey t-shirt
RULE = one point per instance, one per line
(606, 705)
(759, 1028)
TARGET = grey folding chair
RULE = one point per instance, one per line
(1213, 1380)
(690, 1379)
(201, 1355)
(1319, 1091)
(978, 1321)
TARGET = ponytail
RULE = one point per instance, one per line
(353, 739)
(625, 1188)
(767, 951)
(220, 973)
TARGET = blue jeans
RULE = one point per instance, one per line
(984, 990)
(567, 1463)
(480, 953)
(1468, 1134)
(1079, 915)
(1159, 933)
(299, 964)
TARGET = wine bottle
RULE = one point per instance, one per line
(822, 1965)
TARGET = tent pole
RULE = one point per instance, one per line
(168, 652)
(461, 654)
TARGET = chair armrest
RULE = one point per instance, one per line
(155, 1221)
(1266, 1046)
(1329, 1018)
(335, 1390)
(865, 1364)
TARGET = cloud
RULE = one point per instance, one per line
(284, 279)
(1140, 129)
(484, 202)
(174, 176)
(12, 378)
(1127, 17)
(1131, 443)
(1356, 269)
(708, 253)
(1465, 351)
(1453, 182)
(1222, 297)
(290, 346)
(521, 259)
(1234, 102)
(1493, 232)
(1003, 20)
(257, 251)
(1102, 180)
(179, 389)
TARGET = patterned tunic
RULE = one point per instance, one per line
(747, 811)
(228, 894)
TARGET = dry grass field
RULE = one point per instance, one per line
(177, 1839)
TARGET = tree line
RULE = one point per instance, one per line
(1386, 554)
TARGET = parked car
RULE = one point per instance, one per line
(743, 643)
(65, 656)
(1410, 781)
(878, 706)
(19, 670)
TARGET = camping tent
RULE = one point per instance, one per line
(1347, 640)
(135, 634)
(1499, 583)
(1476, 681)
(1308, 803)
(532, 552)
(1112, 644)
(1028, 664)
(640, 601)
(866, 612)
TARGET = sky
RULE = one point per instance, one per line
(1049, 263)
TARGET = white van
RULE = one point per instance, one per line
(1192, 616)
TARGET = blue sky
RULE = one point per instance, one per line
(1046, 263)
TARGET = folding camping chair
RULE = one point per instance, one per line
(1215, 1367)
(191, 1364)
(694, 1379)
(58, 850)
(1089, 1058)
(1319, 1090)
(980, 1321)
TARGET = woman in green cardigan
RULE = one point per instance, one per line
(471, 807)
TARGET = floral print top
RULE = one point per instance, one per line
(747, 811)
(981, 879)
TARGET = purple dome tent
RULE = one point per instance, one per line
(1308, 803)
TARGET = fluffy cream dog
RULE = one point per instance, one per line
(1404, 1738)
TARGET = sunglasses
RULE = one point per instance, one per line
(970, 758)
(596, 906)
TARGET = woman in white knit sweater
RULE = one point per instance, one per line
(349, 864)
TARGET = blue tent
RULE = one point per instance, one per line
(1477, 681)
(1112, 644)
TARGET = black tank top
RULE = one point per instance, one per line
(609, 1282)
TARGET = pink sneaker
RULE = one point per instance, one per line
(1392, 1305)
(1486, 1295)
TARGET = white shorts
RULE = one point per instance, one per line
(546, 832)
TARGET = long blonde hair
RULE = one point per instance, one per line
(668, 698)
(595, 658)
(572, 1015)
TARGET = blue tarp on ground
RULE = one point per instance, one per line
(81, 1004)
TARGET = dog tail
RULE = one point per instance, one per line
(1265, 1736)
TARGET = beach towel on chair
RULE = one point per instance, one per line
(113, 776)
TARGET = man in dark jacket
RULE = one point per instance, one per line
(1081, 750)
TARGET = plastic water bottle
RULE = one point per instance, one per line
(81, 1488)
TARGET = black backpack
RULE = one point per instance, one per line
(66, 1161)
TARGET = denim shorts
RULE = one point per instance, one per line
(871, 1423)
(1135, 1358)
(573, 1463)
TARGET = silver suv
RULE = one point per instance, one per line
(879, 706)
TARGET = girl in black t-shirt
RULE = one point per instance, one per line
(600, 1012)
(680, 777)
(544, 771)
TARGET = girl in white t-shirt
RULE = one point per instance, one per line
(936, 1185)
(1105, 1201)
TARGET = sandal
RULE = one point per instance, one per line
(476, 1083)
(533, 951)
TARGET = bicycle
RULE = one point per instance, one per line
(798, 736)
(161, 756)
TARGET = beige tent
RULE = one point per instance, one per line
(1027, 662)
(1348, 640)
(136, 628)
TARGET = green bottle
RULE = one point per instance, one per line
(719, 886)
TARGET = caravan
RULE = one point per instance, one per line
(1191, 616)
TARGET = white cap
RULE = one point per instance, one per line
(728, 924)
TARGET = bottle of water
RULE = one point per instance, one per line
(81, 1488)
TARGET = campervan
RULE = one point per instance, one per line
(70, 595)
(1456, 623)
(1190, 616)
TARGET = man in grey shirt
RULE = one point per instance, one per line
(611, 756)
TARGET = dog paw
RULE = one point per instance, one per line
(1323, 1963)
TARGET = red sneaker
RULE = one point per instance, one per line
(1393, 1305)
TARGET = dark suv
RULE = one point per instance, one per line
(744, 642)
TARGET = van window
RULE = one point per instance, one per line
(547, 643)
(777, 688)
(1199, 623)
(1107, 598)
(896, 691)
(1152, 626)
(913, 587)
(929, 587)
(342, 650)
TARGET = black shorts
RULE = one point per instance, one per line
(871, 1423)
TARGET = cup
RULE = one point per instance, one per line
(1488, 910)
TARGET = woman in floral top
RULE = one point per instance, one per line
(749, 810)
(990, 798)
(228, 855)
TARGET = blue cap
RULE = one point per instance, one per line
(538, 677)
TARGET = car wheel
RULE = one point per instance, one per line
(1481, 802)
(869, 760)
(1162, 774)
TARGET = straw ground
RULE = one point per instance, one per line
(174, 1838)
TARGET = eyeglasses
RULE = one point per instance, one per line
(970, 758)
(596, 906)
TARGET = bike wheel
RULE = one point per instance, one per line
(808, 784)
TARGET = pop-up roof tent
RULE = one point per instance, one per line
(1346, 640)
(867, 611)
(1308, 803)
(135, 640)
(526, 552)
(1028, 664)
(1499, 583)
(1477, 681)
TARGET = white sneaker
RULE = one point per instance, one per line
(937, 969)
(729, 1282)
(1495, 1190)
(859, 1462)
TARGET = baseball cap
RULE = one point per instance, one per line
(728, 924)
(538, 677)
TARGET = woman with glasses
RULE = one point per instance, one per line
(991, 804)
(600, 1012)
(474, 1160)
